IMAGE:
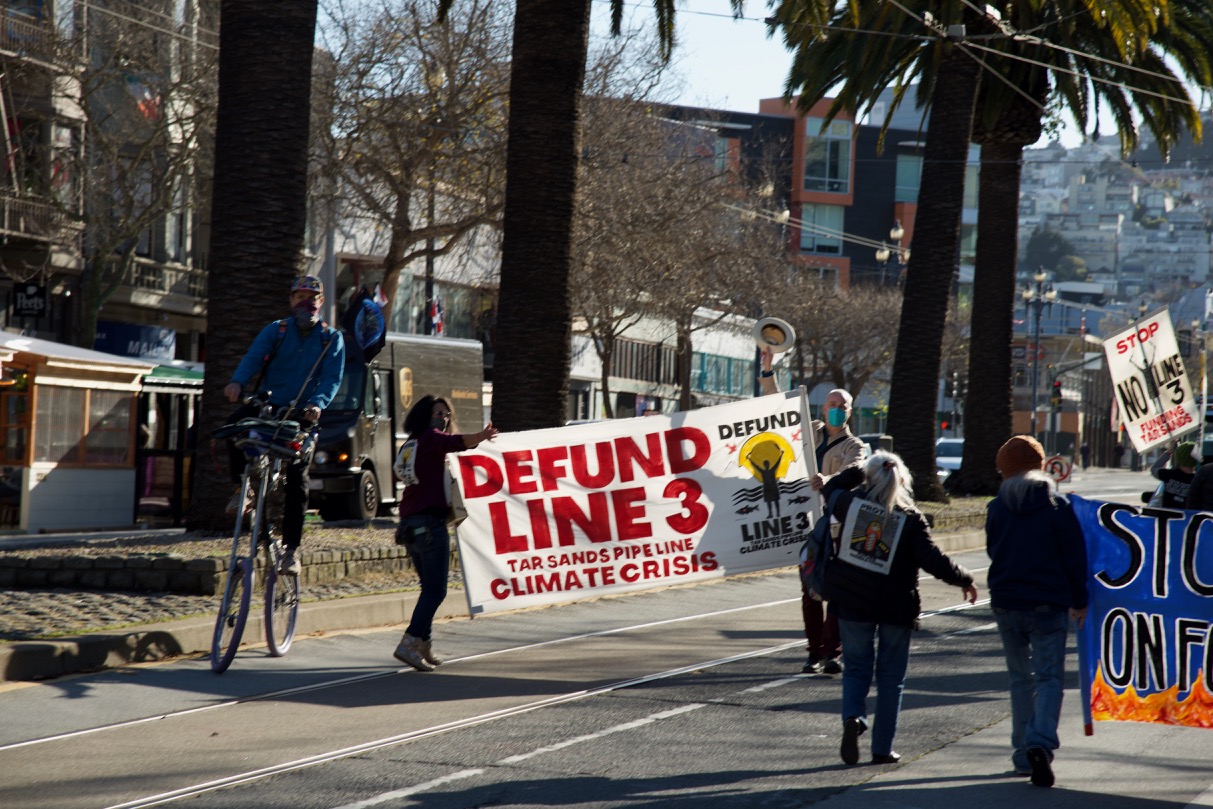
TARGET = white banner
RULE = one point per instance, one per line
(1155, 399)
(564, 514)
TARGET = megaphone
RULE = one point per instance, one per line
(775, 334)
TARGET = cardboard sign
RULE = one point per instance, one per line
(870, 535)
(1155, 399)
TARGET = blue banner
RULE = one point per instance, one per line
(1146, 649)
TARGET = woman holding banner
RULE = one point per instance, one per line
(423, 511)
(872, 583)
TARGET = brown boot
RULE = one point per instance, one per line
(409, 651)
(427, 653)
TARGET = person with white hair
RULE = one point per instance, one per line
(872, 583)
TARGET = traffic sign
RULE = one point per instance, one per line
(1058, 468)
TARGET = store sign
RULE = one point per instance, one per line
(30, 300)
(131, 340)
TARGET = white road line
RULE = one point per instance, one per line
(413, 790)
(1204, 799)
(392, 741)
(303, 689)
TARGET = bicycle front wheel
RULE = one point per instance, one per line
(233, 613)
(281, 610)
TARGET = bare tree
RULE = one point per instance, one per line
(416, 138)
(146, 98)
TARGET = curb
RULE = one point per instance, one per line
(42, 660)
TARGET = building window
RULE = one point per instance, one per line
(14, 418)
(909, 173)
(726, 376)
(79, 427)
(827, 156)
(821, 229)
(646, 362)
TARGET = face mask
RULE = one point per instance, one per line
(306, 315)
(439, 422)
(836, 417)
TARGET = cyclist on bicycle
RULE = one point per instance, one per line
(299, 360)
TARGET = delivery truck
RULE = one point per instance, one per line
(362, 428)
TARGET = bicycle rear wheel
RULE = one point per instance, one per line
(281, 608)
(233, 613)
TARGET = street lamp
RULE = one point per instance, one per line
(1037, 296)
(885, 251)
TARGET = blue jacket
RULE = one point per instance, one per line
(1038, 556)
(289, 367)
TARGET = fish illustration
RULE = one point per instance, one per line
(747, 509)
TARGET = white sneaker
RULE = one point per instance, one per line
(290, 566)
(409, 651)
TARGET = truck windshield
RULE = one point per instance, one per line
(353, 388)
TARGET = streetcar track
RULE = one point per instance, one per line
(504, 713)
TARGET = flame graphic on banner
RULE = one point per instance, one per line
(1164, 707)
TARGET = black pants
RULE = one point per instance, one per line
(295, 486)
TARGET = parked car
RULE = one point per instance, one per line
(947, 455)
(877, 441)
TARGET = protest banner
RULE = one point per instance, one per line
(1146, 649)
(615, 506)
(1155, 399)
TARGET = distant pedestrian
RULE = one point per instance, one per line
(1037, 579)
(1177, 477)
(1118, 455)
(1085, 451)
(878, 603)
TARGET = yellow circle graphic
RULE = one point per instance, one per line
(765, 449)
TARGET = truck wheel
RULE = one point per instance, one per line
(364, 501)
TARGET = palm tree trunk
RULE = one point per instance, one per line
(534, 326)
(915, 379)
(988, 405)
(258, 206)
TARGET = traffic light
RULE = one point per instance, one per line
(944, 425)
(1055, 398)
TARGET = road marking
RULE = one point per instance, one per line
(303, 689)
(411, 736)
(413, 790)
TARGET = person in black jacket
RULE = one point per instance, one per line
(873, 584)
(1038, 582)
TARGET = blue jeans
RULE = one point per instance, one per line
(429, 545)
(886, 649)
(1035, 645)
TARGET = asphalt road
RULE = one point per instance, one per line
(687, 695)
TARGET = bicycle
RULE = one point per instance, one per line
(270, 443)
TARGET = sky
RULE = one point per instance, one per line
(726, 63)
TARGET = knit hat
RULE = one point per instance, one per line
(1021, 453)
(1183, 455)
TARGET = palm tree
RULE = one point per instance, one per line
(835, 50)
(259, 202)
(531, 364)
(1010, 120)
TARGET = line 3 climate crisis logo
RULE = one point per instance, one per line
(780, 516)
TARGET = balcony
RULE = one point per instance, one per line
(25, 36)
(31, 219)
(169, 279)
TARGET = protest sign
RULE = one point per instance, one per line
(563, 514)
(1146, 649)
(870, 535)
(1153, 394)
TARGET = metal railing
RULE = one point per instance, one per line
(169, 279)
(25, 36)
(26, 217)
